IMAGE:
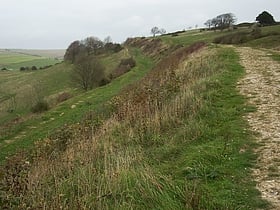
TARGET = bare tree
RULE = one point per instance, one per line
(154, 31)
(222, 21)
(208, 23)
(107, 40)
(88, 72)
(226, 20)
(92, 44)
(162, 31)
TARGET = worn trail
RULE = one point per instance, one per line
(261, 85)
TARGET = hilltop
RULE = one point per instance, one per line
(168, 134)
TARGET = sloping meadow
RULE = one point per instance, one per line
(158, 150)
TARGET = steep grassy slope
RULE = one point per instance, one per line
(173, 140)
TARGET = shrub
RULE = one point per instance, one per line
(125, 66)
(40, 106)
(104, 81)
(236, 38)
(128, 62)
(63, 97)
(22, 68)
(33, 68)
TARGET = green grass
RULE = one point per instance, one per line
(269, 42)
(92, 100)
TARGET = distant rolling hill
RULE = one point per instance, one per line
(14, 59)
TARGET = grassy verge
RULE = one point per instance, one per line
(176, 141)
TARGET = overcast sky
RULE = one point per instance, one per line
(54, 24)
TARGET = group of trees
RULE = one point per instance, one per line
(228, 19)
(155, 30)
(221, 22)
(88, 46)
(88, 72)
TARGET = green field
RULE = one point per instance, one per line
(13, 60)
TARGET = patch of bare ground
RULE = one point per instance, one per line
(261, 85)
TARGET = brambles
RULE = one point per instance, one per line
(40, 106)
(125, 66)
(63, 97)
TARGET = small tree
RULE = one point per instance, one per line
(208, 23)
(265, 19)
(88, 72)
(225, 20)
(108, 40)
(154, 31)
(162, 31)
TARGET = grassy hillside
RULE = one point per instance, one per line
(170, 134)
(169, 141)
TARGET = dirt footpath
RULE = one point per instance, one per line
(261, 85)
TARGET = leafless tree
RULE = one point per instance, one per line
(208, 23)
(107, 40)
(92, 44)
(88, 72)
(226, 20)
(154, 31)
(162, 31)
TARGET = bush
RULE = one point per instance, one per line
(125, 66)
(236, 38)
(33, 68)
(63, 97)
(22, 68)
(104, 81)
(128, 62)
(40, 106)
